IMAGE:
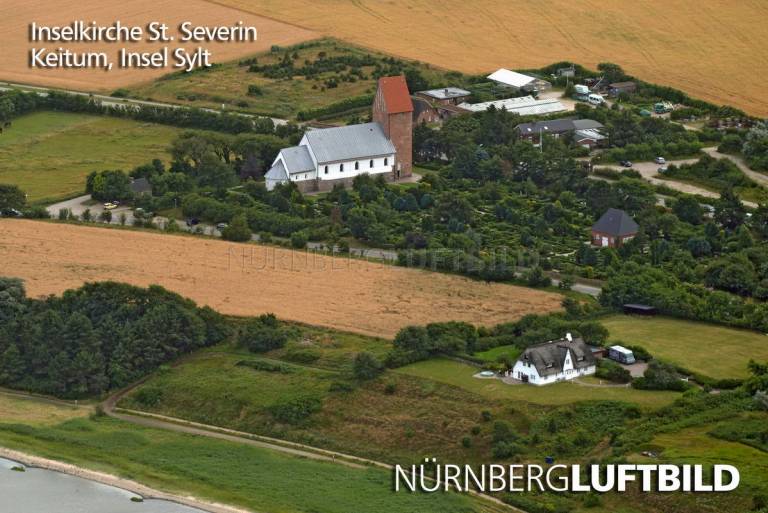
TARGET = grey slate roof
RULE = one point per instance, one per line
(141, 185)
(616, 222)
(558, 126)
(297, 159)
(349, 142)
(586, 124)
(276, 172)
(549, 357)
(446, 93)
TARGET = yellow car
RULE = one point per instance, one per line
(110, 206)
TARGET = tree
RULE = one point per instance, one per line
(729, 211)
(11, 197)
(109, 186)
(367, 366)
(237, 230)
(687, 208)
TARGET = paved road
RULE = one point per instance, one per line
(120, 102)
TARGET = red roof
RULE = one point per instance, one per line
(396, 95)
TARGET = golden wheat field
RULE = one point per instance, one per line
(716, 50)
(16, 15)
(244, 279)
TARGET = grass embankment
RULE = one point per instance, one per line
(708, 349)
(216, 470)
(394, 418)
(49, 154)
(229, 83)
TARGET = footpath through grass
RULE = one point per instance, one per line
(49, 154)
(708, 349)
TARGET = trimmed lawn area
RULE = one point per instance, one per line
(460, 375)
(708, 349)
(49, 154)
(36, 411)
(493, 355)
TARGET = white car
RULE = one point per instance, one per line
(660, 160)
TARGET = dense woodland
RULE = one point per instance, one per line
(97, 338)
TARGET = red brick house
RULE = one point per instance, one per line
(613, 229)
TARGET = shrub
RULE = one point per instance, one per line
(301, 355)
(367, 366)
(296, 410)
(263, 334)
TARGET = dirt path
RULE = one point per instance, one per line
(760, 178)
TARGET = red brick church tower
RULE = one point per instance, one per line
(393, 110)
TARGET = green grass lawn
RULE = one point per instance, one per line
(226, 472)
(492, 355)
(714, 351)
(461, 375)
(49, 154)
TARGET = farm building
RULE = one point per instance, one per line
(523, 106)
(425, 111)
(332, 156)
(556, 360)
(582, 128)
(141, 187)
(445, 96)
(613, 229)
(518, 81)
(622, 87)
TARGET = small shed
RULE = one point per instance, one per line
(617, 88)
(637, 309)
(613, 229)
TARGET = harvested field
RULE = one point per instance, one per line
(238, 279)
(16, 15)
(713, 49)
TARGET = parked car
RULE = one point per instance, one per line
(595, 99)
(662, 170)
(625, 163)
(193, 221)
(221, 226)
(11, 212)
(110, 206)
(660, 160)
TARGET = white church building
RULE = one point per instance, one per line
(333, 154)
(553, 361)
(330, 156)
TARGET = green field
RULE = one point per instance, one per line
(226, 472)
(492, 355)
(714, 351)
(49, 154)
(461, 375)
(228, 83)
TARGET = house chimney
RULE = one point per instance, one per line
(568, 337)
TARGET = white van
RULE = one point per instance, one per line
(595, 99)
